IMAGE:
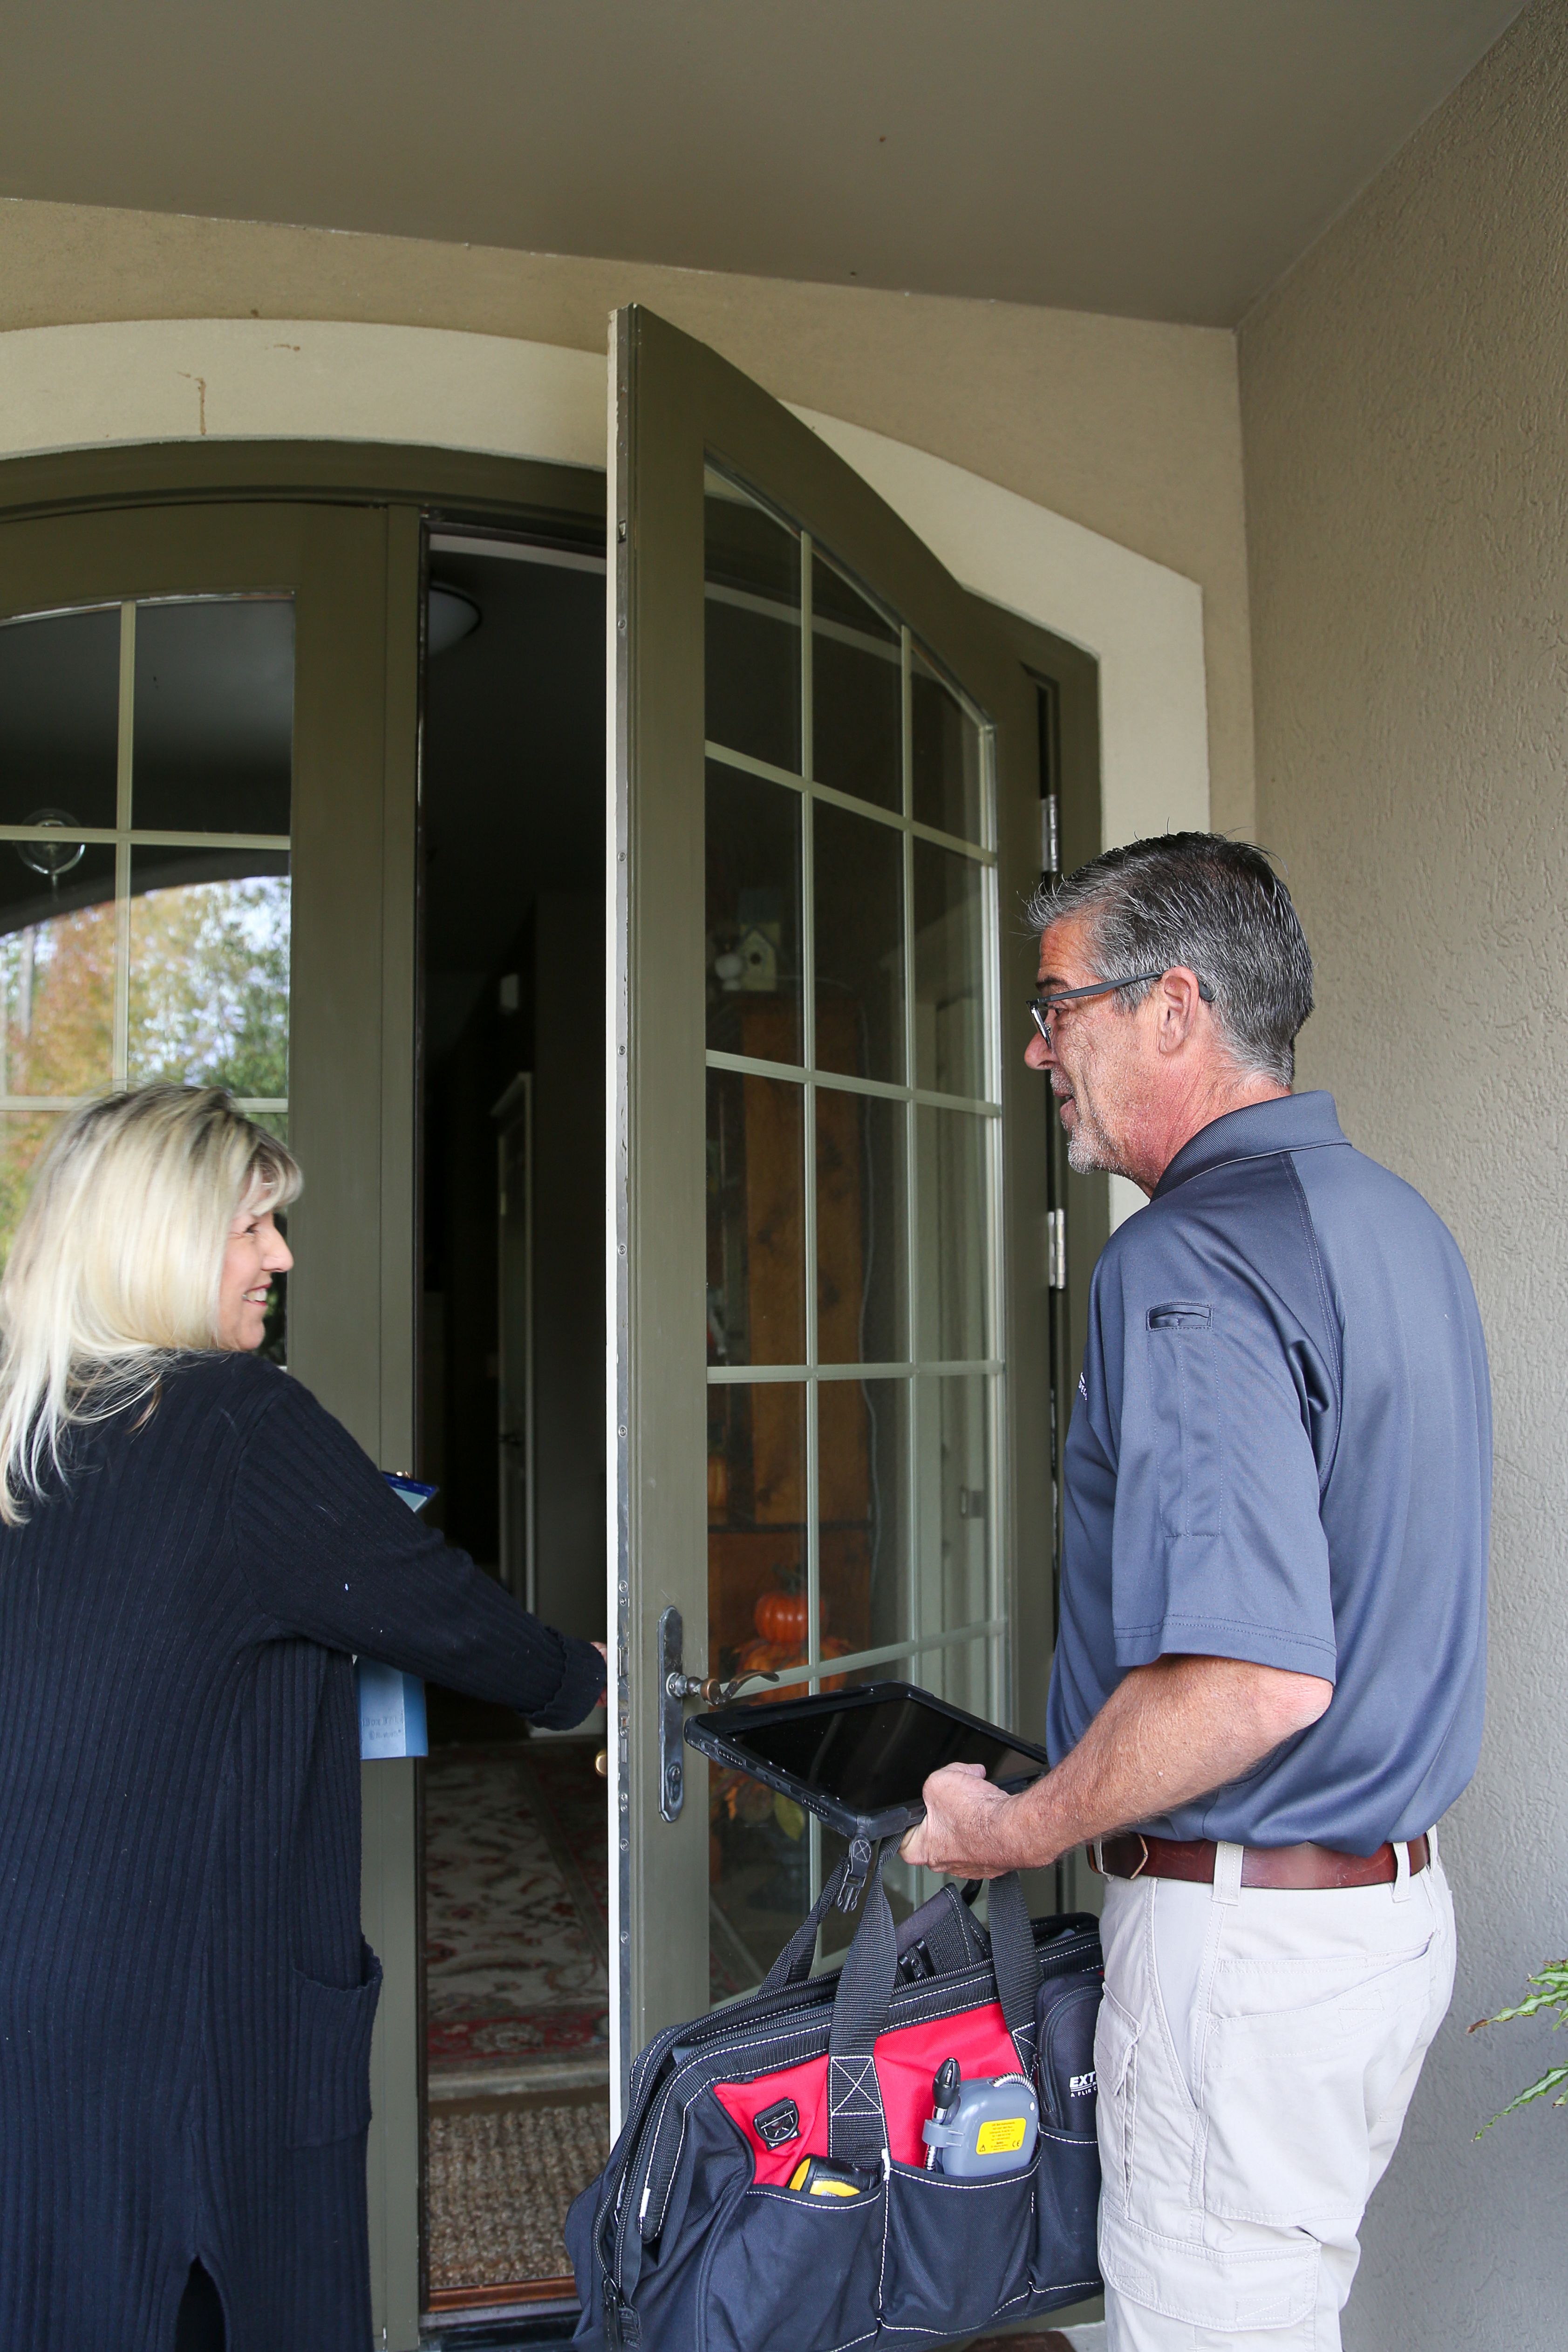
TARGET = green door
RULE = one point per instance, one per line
(207, 745)
(829, 1348)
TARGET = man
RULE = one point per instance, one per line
(1269, 1678)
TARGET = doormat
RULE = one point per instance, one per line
(516, 1907)
(498, 2184)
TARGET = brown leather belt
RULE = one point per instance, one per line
(1132, 1855)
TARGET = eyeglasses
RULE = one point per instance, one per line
(1042, 1007)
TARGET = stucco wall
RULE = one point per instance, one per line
(1128, 427)
(1406, 417)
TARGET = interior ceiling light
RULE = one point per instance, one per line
(450, 616)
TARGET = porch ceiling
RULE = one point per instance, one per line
(1165, 159)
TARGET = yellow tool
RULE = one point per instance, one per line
(816, 2177)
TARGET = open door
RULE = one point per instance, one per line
(828, 1391)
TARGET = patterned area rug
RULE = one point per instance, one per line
(498, 2185)
(516, 1908)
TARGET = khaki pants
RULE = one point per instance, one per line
(1255, 2052)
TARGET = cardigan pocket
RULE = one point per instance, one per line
(328, 2077)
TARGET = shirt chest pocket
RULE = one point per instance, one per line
(1185, 1411)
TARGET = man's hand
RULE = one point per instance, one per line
(965, 1819)
(1168, 1732)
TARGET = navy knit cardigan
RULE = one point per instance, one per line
(185, 1998)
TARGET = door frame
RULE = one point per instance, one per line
(354, 1081)
(418, 486)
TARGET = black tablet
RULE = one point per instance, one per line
(858, 1758)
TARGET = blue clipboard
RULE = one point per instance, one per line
(392, 1719)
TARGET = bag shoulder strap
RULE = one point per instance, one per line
(857, 2128)
(793, 1965)
(1015, 1963)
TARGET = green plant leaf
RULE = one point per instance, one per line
(1548, 2082)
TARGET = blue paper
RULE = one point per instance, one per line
(391, 1721)
(391, 1713)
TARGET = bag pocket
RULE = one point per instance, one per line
(958, 2251)
(329, 2055)
(787, 2271)
(1065, 2019)
(1064, 2264)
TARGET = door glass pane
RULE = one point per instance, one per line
(895, 1258)
(59, 717)
(753, 890)
(856, 692)
(858, 870)
(750, 627)
(214, 715)
(209, 970)
(863, 1446)
(953, 1514)
(23, 1135)
(758, 1848)
(861, 1226)
(756, 1225)
(134, 959)
(951, 1189)
(945, 774)
(950, 972)
(57, 967)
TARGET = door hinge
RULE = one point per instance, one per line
(1055, 1249)
(1050, 833)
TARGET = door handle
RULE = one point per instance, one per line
(674, 1686)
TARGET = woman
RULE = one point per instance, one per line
(191, 1551)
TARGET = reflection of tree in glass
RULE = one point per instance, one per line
(57, 984)
(209, 986)
(23, 1136)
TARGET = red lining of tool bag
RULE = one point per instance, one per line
(906, 2062)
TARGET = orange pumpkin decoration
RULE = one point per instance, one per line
(781, 1617)
(761, 1657)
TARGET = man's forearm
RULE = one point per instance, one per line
(1169, 1732)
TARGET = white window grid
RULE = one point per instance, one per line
(123, 837)
(992, 1628)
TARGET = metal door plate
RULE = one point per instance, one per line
(671, 1748)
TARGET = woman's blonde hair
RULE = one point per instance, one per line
(117, 1263)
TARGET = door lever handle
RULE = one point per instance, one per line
(674, 1686)
(711, 1689)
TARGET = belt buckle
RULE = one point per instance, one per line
(1143, 1857)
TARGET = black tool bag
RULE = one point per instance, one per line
(692, 2239)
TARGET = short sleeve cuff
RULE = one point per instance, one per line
(1225, 1637)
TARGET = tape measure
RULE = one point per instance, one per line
(991, 2127)
(818, 2178)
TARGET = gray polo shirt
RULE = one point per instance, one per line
(1280, 1451)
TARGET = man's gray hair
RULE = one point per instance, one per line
(1216, 906)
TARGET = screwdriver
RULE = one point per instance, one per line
(945, 2086)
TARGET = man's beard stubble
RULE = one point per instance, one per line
(1090, 1151)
